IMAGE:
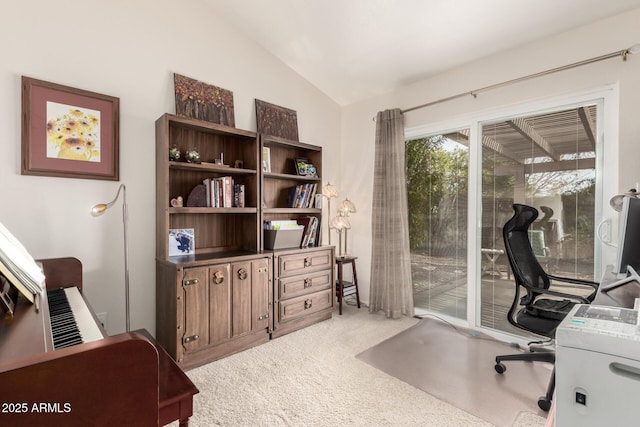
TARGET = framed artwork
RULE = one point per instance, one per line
(68, 132)
(203, 101)
(182, 241)
(304, 168)
(266, 159)
(276, 121)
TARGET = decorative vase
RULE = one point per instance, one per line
(174, 153)
(192, 155)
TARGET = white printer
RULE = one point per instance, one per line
(598, 367)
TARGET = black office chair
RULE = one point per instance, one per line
(539, 310)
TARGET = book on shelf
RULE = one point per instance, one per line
(310, 234)
(238, 196)
(223, 192)
(302, 196)
(281, 224)
(18, 267)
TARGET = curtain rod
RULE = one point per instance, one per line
(624, 53)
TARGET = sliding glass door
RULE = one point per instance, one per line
(461, 187)
(437, 191)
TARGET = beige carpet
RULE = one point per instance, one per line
(312, 378)
(456, 365)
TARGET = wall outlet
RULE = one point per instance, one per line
(102, 317)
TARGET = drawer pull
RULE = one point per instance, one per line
(264, 316)
(218, 277)
(190, 282)
(192, 338)
(242, 274)
(308, 283)
(307, 262)
(308, 303)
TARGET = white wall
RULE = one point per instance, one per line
(128, 49)
(617, 33)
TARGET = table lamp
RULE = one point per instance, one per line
(345, 208)
(329, 191)
(340, 224)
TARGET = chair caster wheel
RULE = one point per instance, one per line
(544, 403)
(500, 368)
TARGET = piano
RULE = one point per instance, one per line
(58, 367)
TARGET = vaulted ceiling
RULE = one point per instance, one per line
(356, 49)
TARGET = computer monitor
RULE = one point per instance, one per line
(628, 259)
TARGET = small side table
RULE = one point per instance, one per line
(343, 287)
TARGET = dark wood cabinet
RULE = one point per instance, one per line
(222, 298)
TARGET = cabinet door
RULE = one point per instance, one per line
(241, 285)
(260, 298)
(219, 303)
(196, 310)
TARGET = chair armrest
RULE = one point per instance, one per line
(589, 283)
(577, 298)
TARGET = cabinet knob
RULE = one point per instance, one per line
(307, 262)
(307, 283)
(192, 338)
(242, 274)
(218, 277)
(308, 303)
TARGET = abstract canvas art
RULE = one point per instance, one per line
(276, 121)
(203, 101)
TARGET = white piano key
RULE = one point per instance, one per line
(89, 330)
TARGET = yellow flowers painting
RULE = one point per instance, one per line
(73, 133)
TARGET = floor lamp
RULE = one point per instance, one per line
(98, 210)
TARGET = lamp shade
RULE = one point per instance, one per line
(329, 190)
(340, 223)
(346, 207)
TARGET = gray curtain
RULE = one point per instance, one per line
(391, 286)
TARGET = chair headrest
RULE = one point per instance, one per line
(523, 216)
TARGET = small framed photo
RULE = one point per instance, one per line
(182, 241)
(68, 132)
(266, 159)
(304, 168)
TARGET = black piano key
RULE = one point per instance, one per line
(64, 330)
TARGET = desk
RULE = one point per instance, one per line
(623, 296)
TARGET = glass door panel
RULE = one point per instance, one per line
(437, 192)
(546, 161)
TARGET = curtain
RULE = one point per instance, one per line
(391, 286)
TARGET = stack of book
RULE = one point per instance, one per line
(302, 196)
(18, 267)
(224, 193)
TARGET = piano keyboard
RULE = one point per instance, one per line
(71, 320)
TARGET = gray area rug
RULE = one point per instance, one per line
(456, 365)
